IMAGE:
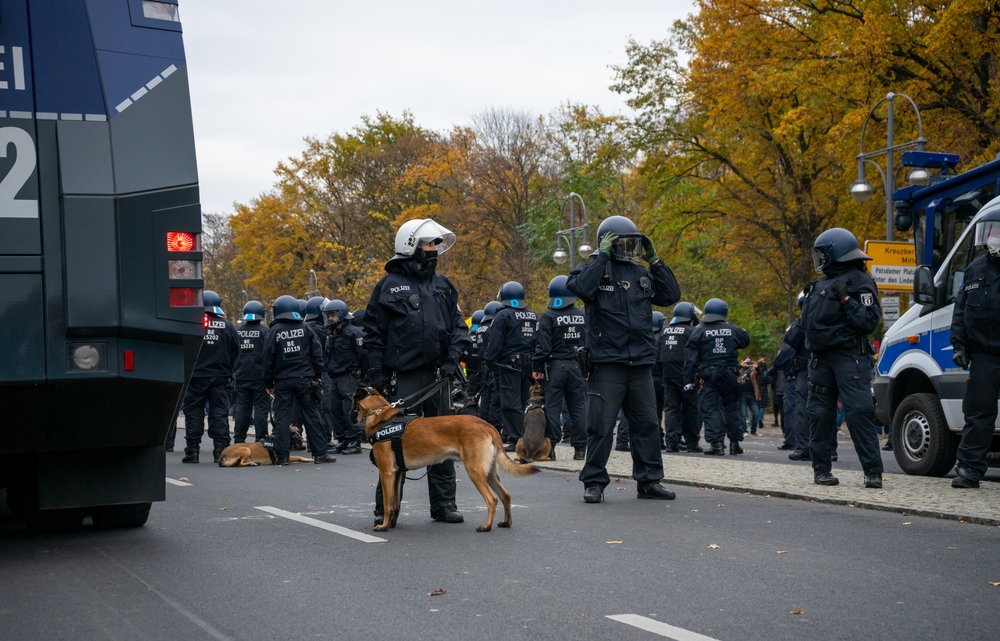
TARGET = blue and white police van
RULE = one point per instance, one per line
(917, 388)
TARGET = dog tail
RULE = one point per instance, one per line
(506, 464)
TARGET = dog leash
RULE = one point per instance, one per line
(421, 395)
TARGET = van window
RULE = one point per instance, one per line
(956, 268)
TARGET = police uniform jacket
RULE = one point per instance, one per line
(319, 328)
(975, 324)
(251, 339)
(618, 299)
(795, 338)
(345, 350)
(291, 350)
(413, 320)
(714, 344)
(673, 340)
(511, 332)
(560, 332)
(829, 325)
(219, 350)
(784, 363)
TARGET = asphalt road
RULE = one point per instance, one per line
(210, 565)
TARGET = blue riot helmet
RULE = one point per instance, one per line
(314, 307)
(477, 317)
(490, 311)
(302, 307)
(286, 308)
(213, 304)
(716, 309)
(836, 245)
(358, 317)
(511, 294)
(629, 242)
(658, 319)
(683, 313)
(559, 295)
(253, 311)
(336, 311)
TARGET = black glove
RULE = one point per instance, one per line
(960, 358)
(449, 369)
(839, 291)
(376, 377)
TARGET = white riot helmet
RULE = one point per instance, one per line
(422, 230)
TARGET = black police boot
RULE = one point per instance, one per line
(216, 453)
(966, 479)
(694, 448)
(593, 494)
(887, 447)
(325, 458)
(510, 447)
(579, 455)
(799, 455)
(825, 478)
(786, 446)
(281, 461)
(834, 457)
(873, 481)
(735, 448)
(715, 449)
(341, 446)
(190, 455)
(170, 448)
(655, 491)
(353, 447)
(449, 514)
(622, 447)
(673, 448)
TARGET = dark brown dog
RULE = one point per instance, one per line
(429, 441)
(533, 446)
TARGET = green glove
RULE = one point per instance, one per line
(648, 251)
(606, 242)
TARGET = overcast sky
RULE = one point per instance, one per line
(264, 74)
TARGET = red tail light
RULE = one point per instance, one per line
(204, 321)
(129, 360)
(185, 297)
(182, 241)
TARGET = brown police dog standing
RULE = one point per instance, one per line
(533, 446)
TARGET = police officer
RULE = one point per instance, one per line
(618, 296)
(358, 318)
(475, 377)
(509, 345)
(838, 315)
(346, 358)
(293, 370)
(680, 406)
(975, 337)
(561, 331)
(317, 322)
(414, 332)
(251, 395)
(783, 374)
(712, 355)
(658, 320)
(210, 382)
(489, 403)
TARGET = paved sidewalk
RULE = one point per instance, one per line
(916, 495)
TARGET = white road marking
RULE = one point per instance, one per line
(364, 538)
(658, 627)
(176, 482)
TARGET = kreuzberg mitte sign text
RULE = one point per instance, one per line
(892, 264)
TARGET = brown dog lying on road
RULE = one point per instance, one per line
(533, 446)
(429, 441)
(250, 454)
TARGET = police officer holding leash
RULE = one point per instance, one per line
(618, 295)
(415, 334)
(251, 395)
(838, 315)
(975, 336)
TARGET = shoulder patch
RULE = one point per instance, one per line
(361, 341)
(867, 299)
(974, 285)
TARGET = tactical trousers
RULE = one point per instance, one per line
(721, 418)
(622, 441)
(788, 412)
(778, 405)
(514, 386)
(325, 414)
(980, 409)
(441, 477)
(338, 403)
(658, 391)
(801, 438)
(493, 410)
(611, 387)
(251, 399)
(200, 390)
(565, 382)
(299, 390)
(846, 374)
(680, 414)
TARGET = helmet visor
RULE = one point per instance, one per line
(986, 230)
(821, 257)
(334, 316)
(431, 232)
(626, 247)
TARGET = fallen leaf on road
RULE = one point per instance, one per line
(996, 584)
(223, 508)
(458, 480)
(694, 510)
(768, 521)
(713, 546)
(952, 548)
(781, 552)
(612, 542)
(183, 478)
(619, 488)
(618, 480)
(722, 505)
(964, 521)
(437, 593)
(458, 574)
(797, 612)
(908, 523)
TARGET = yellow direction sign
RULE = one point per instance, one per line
(892, 264)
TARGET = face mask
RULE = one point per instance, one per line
(993, 244)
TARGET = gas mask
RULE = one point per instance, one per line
(993, 245)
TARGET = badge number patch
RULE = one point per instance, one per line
(867, 299)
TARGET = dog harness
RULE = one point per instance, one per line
(533, 405)
(393, 432)
(268, 443)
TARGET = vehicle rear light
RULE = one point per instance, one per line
(87, 357)
(129, 360)
(184, 269)
(183, 241)
(185, 297)
(204, 321)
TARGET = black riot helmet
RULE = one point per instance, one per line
(336, 311)
(358, 317)
(629, 241)
(683, 313)
(658, 319)
(253, 312)
(286, 308)
(477, 317)
(511, 294)
(490, 311)
(559, 295)
(836, 245)
(314, 307)
(213, 304)
(716, 309)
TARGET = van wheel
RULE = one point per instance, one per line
(119, 516)
(921, 441)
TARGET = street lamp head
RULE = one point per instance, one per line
(586, 249)
(560, 256)
(862, 191)
(919, 176)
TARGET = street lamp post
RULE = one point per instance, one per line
(560, 255)
(862, 190)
